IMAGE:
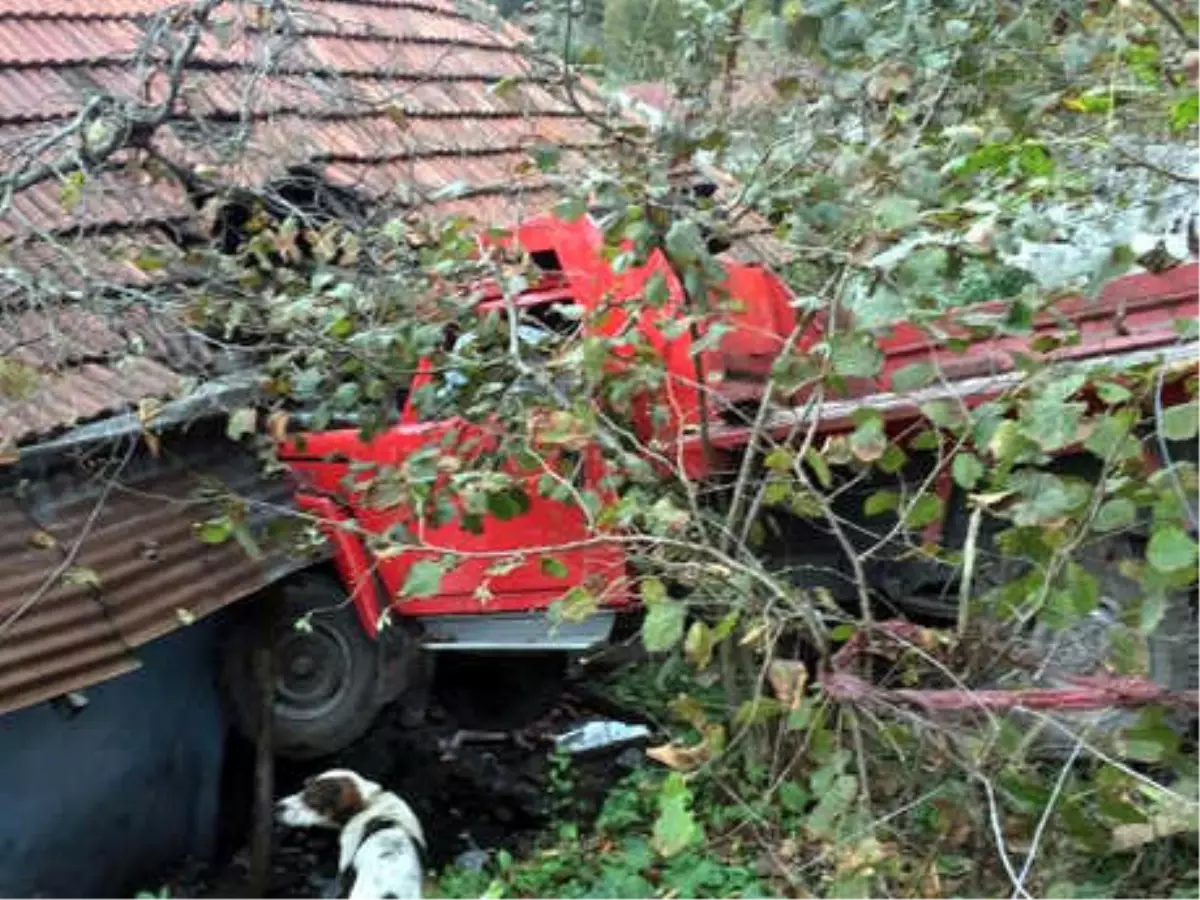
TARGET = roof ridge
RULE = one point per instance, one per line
(435, 153)
(390, 38)
(416, 5)
(337, 116)
(71, 15)
(202, 64)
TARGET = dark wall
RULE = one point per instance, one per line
(127, 788)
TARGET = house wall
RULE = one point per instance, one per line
(95, 804)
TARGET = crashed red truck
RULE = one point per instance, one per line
(337, 669)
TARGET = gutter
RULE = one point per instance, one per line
(212, 398)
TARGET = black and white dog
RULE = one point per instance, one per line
(381, 838)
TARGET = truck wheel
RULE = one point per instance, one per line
(325, 671)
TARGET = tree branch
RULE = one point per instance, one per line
(1168, 16)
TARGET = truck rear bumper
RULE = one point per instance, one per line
(515, 631)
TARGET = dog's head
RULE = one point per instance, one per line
(328, 800)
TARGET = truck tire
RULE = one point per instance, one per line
(326, 672)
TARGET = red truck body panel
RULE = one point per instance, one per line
(1136, 313)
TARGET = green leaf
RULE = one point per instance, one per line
(1115, 515)
(822, 821)
(657, 291)
(241, 422)
(1171, 549)
(699, 645)
(546, 156)
(424, 579)
(868, 441)
(944, 413)
(881, 502)
(684, 242)
(967, 470)
(570, 209)
(893, 460)
(1112, 393)
(1052, 423)
(757, 711)
(894, 213)
(820, 468)
(554, 567)
(1035, 161)
(843, 632)
(912, 377)
(662, 628)
(653, 591)
(675, 828)
(925, 510)
(855, 356)
(1186, 112)
(71, 191)
(1154, 607)
(81, 576)
(1179, 423)
(780, 459)
(1111, 438)
(150, 259)
(1006, 441)
(214, 531)
(577, 605)
(507, 504)
(1044, 498)
(1150, 741)
(505, 88)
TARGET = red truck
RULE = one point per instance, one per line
(340, 664)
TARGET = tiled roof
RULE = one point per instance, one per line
(407, 102)
(395, 98)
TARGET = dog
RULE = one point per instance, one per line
(381, 842)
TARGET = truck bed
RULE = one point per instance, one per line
(1131, 323)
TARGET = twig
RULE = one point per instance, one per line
(1045, 818)
(264, 769)
(998, 835)
(52, 580)
(1168, 16)
(968, 572)
(1133, 159)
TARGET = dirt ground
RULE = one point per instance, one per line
(475, 772)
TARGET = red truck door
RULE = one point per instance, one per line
(526, 553)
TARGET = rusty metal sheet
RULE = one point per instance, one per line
(90, 574)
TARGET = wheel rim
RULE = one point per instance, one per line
(312, 672)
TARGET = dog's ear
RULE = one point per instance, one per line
(338, 799)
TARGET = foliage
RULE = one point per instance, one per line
(909, 187)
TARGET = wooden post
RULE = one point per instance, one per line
(264, 758)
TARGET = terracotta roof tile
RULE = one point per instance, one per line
(84, 392)
(78, 9)
(336, 85)
(396, 98)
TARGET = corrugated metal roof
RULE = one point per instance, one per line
(72, 616)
